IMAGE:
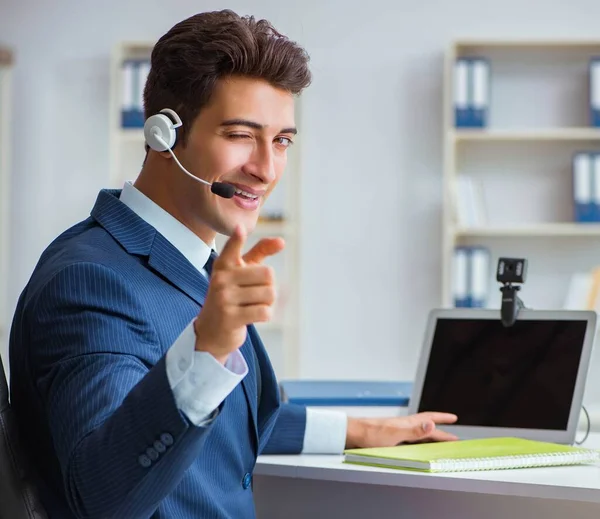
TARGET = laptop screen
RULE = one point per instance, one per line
(522, 376)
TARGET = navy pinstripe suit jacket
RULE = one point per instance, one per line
(89, 387)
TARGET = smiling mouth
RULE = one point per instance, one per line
(247, 199)
(245, 194)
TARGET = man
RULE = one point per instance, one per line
(141, 387)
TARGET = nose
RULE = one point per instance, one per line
(262, 164)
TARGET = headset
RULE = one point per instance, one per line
(160, 132)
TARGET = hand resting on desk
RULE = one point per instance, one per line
(386, 432)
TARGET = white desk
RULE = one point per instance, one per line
(314, 487)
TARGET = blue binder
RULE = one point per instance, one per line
(461, 93)
(479, 106)
(583, 187)
(127, 93)
(348, 393)
(595, 199)
(594, 91)
(479, 274)
(460, 277)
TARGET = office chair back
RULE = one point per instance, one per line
(18, 497)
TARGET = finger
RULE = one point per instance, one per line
(253, 275)
(264, 248)
(426, 430)
(423, 429)
(231, 255)
(442, 436)
(438, 417)
(263, 295)
(254, 314)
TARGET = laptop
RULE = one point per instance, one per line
(526, 380)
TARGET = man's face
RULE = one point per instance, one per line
(240, 137)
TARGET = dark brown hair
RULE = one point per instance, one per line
(188, 61)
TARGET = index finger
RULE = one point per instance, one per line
(231, 255)
(264, 248)
(442, 436)
(440, 417)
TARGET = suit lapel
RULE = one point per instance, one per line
(165, 259)
(127, 228)
(137, 237)
(249, 382)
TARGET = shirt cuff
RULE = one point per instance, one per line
(200, 382)
(325, 432)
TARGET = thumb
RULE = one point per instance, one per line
(231, 255)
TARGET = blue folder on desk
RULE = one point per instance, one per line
(350, 393)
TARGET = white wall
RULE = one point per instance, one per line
(371, 134)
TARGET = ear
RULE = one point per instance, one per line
(160, 130)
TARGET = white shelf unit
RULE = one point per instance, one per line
(281, 335)
(538, 118)
(126, 144)
(6, 65)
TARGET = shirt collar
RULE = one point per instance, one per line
(183, 239)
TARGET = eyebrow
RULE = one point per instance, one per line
(255, 125)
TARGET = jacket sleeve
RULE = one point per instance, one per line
(287, 436)
(120, 439)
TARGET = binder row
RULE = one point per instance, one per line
(586, 187)
(471, 274)
(134, 73)
(472, 92)
(472, 88)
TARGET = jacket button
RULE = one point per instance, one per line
(152, 453)
(167, 439)
(144, 461)
(159, 446)
(246, 480)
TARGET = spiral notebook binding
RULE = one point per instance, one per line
(513, 462)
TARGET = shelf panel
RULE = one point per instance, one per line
(550, 45)
(273, 228)
(139, 45)
(537, 230)
(558, 134)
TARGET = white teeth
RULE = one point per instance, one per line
(245, 193)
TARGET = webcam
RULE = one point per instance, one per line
(511, 273)
(511, 270)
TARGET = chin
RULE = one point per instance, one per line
(228, 226)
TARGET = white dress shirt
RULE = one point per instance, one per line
(199, 382)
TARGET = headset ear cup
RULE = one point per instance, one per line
(160, 125)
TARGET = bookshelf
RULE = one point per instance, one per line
(521, 161)
(280, 216)
(6, 64)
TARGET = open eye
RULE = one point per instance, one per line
(284, 141)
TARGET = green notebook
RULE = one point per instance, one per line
(467, 455)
